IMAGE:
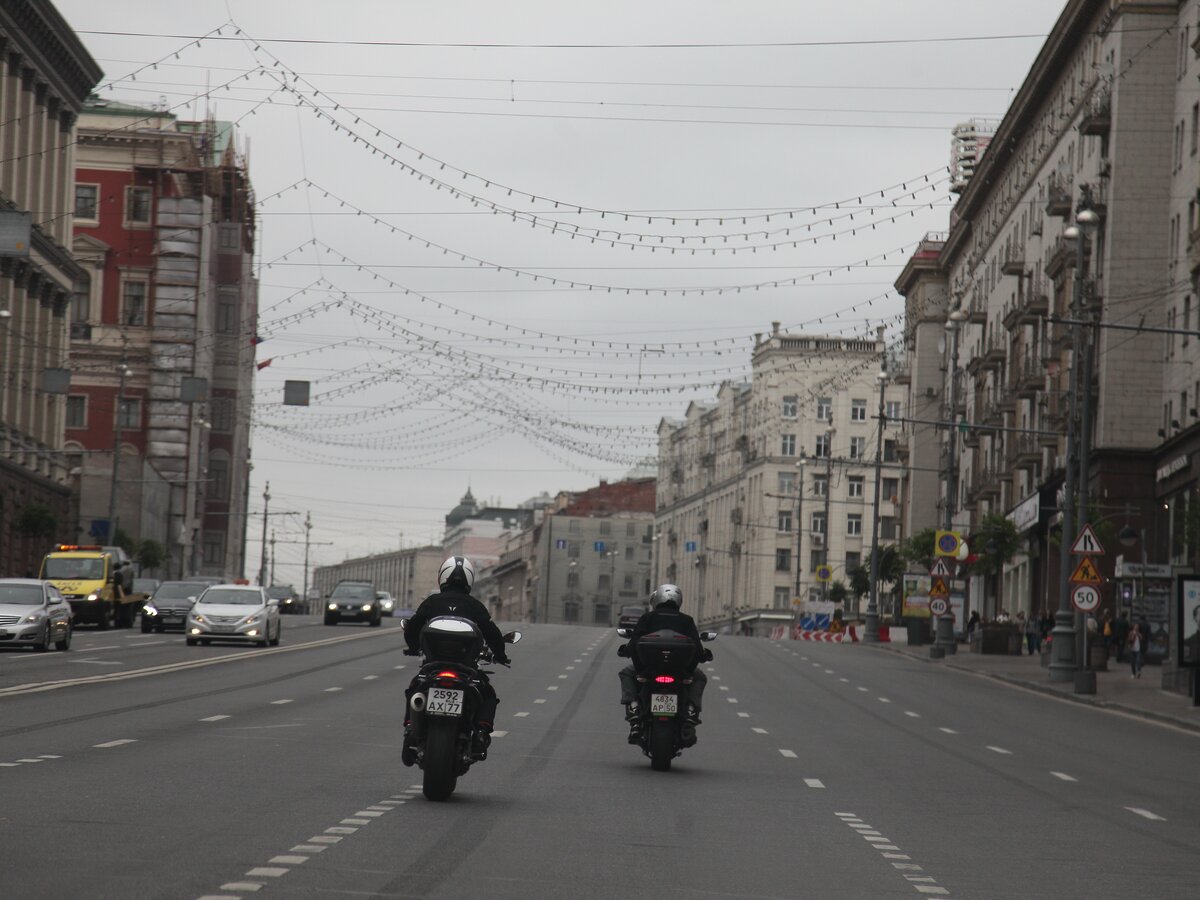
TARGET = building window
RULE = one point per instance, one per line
(824, 409)
(784, 521)
(221, 412)
(853, 561)
(214, 548)
(603, 583)
(81, 307)
(854, 524)
(573, 526)
(783, 560)
(137, 205)
(857, 447)
(858, 410)
(787, 445)
(572, 579)
(87, 198)
(630, 529)
(783, 598)
(814, 594)
(818, 523)
(887, 528)
(789, 407)
(889, 451)
(891, 409)
(77, 411)
(133, 303)
(605, 527)
(822, 451)
(600, 614)
(229, 237)
(628, 553)
(854, 487)
(787, 482)
(227, 312)
(571, 611)
(131, 413)
(820, 485)
(627, 583)
(218, 479)
(572, 549)
(891, 490)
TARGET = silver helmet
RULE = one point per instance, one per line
(668, 593)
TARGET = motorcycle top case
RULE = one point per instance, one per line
(451, 639)
(667, 652)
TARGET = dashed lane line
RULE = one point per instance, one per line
(884, 700)
(332, 690)
(861, 688)
(743, 715)
(281, 702)
(520, 715)
(948, 730)
(732, 699)
(1145, 814)
(911, 714)
(370, 677)
(999, 750)
(1063, 776)
(117, 743)
(814, 783)
(214, 718)
(788, 754)
(760, 731)
(540, 700)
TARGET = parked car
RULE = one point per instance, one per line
(234, 612)
(629, 616)
(353, 601)
(169, 604)
(33, 614)
(289, 600)
(387, 603)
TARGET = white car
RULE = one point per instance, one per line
(387, 603)
(234, 612)
(33, 614)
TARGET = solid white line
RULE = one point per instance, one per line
(948, 730)
(911, 714)
(999, 750)
(267, 872)
(788, 754)
(814, 782)
(1063, 776)
(280, 702)
(105, 746)
(214, 718)
(1145, 814)
(759, 730)
(289, 860)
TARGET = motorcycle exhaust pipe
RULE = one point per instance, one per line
(417, 702)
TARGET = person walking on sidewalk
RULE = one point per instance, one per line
(1136, 645)
(1121, 635)
(1033, 633)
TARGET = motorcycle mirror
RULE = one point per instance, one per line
(513, 637)
(708, 636)
(623, 650)
(403, 624)
(623, 632)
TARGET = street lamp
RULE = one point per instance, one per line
(799, 521)
(123, 372)
(943, 643)
(871, 634)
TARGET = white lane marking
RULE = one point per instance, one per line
(370, 677)
(540, 700)
(105, 647)
(309, 848)
(243, 886)
(1145, 814)
(911, 714)
(332, 690)
(562, 676)
(885, 846)
(884, 700)
(144, 643)
(552, 687)
(324, 839)
(829, 671)
(578, 660)
(731, 699)
(787, 754)
(30, 760)
(816, 665)
(907, 867)
(759, 730)
(715, 678)
(219, 897)
(281, 702)
(814, 782)
(97, 662)
(743, 715)
(370, 813)
(9, 765)
(520, 715)
(48, 756)
(898, 856)
(569, 668)
(499, 733)
(267, 872)
(922, 878)
(861, 688)
(397, 667)
(999, 750)
(1063, 776)
(724, 687)
(339, 829)
(844, 680)
(948, 730)
(108, 744)
(804, 658)
(353, 821)
(929, 889)
(288, 860)
(846, 815)
(214, 718)
(873, 835)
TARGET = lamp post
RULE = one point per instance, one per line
(943, 643)
(799, 522)
(871, 633)
(262, 569)
(122, 372)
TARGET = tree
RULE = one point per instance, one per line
(151, 554)
(994, 543)
(125, 541)
(860, 581)
(837, 592)
(918, 550)
(36, 521)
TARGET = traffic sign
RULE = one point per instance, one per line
(689, 546)
(946, 543)
(560, 544)
(1086, 573)
(824, 573)
(1085, 598)
(941, 568)
(939, 588)
(1087, 544)
(939, 606)
(599, 545)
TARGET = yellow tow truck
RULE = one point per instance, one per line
(87, 577)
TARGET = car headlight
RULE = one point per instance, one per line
(253, 619)
(366, 607)
(33, 618)
(93, 596)
(333, 606)
(196, 617)
(149, 610)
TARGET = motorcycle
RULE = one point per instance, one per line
(444, 700)
(665, 661)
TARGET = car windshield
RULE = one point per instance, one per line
(232, 596)
(69, 567)
(177, 590)
(279, 593)
(21, 594)
(353, 592)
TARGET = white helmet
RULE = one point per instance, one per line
(668, 593)
(457, 571)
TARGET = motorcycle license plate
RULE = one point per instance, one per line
(444, 702)
(664, 704)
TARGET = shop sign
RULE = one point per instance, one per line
(1176, 465)
(1025, 514)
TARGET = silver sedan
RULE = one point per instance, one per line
(234, 612)
(33, 614)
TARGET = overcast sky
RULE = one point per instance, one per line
(539, 149)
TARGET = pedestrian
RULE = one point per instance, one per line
(1107, 632)
(1121, 635)
(972, 625)
(1047, 623)
(1033, 633)
(1136, 647)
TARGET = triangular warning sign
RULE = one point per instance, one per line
(939, 588)
(941, 568)
(1087, 544)
(1086, 573)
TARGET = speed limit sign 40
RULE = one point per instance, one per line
(939, 606)
(1085, 597)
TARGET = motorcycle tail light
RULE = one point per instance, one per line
(664, 679)
(448, 674)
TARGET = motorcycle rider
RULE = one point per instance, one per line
(455, 578)
(667, 599)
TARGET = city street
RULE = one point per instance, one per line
(133, 766)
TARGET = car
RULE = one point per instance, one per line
(145, 586)
(387, 603)
(234, 612)
(33, 614)
(353, 601)
(289, 600)
(629, 616)
(169, 604)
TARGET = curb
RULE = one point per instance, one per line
(1036, 687)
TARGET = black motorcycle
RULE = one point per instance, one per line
(665, 662)
(444, 700)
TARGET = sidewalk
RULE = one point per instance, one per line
(1142, 697)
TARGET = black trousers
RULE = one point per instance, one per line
(629, 686)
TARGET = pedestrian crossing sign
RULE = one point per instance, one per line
(1086, 572)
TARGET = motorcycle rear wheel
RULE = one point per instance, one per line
(441, 734)
(662, 744)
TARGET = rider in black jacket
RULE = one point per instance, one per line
(667, 599)
(456, 578)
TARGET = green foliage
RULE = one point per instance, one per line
(125, 541)
(860, 581)
(918, 550)
(151, 554)
(36, 521)
(891, 564)
(994, 542)
(837, 592)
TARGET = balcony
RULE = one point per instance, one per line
(1098, 119)
(994, 355)
(993, 413)
(1029, 377)
(1013, 262)
(903, 446)
(1024, 452)
(1058, 197)
(989, 485)
(1193, 249)
(1006, 400)
(900, 371)
(1059, 257)
(1037, 299)
(977, 311)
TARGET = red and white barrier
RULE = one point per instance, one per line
(828, 637)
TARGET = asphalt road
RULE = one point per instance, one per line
(133, 766)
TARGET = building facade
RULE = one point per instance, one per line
(45, 74)
(409, 575)
(761, 490)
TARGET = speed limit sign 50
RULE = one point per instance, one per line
(1085, 597)
(939, 606)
